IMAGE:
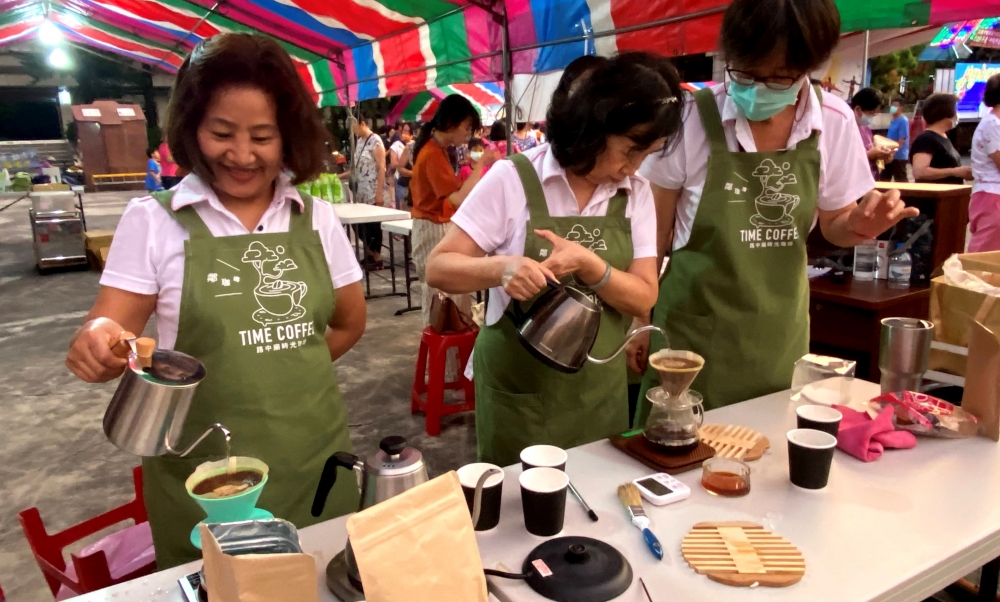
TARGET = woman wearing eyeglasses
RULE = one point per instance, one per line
(763, 156)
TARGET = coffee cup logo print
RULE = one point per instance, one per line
(774, 207)
(590, 239)
(279, 300)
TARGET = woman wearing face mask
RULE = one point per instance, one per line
(208, 257)
(763, 155)
(570, 210)
(866, 104)
(933, 156)
(435, 188)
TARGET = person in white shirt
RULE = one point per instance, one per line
(572, 210)
(984, 208)
(763, 156)
(253, 279)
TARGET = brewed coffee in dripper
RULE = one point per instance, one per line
(677, 369)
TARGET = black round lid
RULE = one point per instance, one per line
(173, 368)
(582, 570)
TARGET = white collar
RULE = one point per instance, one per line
(193, 189)
(551, 169)
(809, 117)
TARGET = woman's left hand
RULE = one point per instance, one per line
(877, 212)
(568, 257)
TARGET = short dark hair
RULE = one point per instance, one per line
(149, 152)
(249, 60)
(868, 99)
(898, 101)
(940, 106)
(522, 124)
(451, 113)
(991, 97)
(802, 32)
(498, 131)
(477, 142)
(634, 94)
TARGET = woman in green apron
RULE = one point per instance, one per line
(256, 281)
(571, 210)
(763, 156)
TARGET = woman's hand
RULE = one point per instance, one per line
(90, 356)
(524, 277)
(877, 212)
(964, 172)
(570, 257)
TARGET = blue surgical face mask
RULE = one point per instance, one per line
(893, 109)
(866, 120)
(758, 102)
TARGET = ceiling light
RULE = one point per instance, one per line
(48, 33)
(59, 59)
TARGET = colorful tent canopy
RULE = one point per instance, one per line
(390, 47)
(486, 97)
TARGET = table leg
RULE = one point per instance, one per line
(988, 579)
(392, 262)
(14, 202)
(406, 273)
(83, 218)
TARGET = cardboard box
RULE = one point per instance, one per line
(98, 243)
(50, 188)
(988, 261)
(882, 259)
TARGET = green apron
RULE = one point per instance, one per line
(254, 309)
(519, 400)
(737, 294)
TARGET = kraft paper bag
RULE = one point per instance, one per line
(952, 311)
(988, 261)
(419, 545)
(257, 577)
(982, 381)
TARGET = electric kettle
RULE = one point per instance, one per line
(561, 328)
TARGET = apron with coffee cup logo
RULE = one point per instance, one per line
(737, 293)
(254, 309)
(519, 400)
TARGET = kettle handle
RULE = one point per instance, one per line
(628, 338)
(329, 478)
(518, 316)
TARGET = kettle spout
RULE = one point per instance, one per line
(215, 427)
(628, 338)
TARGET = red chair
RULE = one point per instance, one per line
(88, 572)
(431, 361)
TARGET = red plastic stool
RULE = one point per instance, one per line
(433, 349)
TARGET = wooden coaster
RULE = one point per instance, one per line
(731, 441)
(637, 447)
(742, 554)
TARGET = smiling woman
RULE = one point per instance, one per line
(254, 280)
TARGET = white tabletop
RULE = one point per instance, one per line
(399, 226)
(359, 213)
(899, 528)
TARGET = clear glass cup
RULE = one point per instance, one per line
(725, 477)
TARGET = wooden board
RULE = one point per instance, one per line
(731, 441)
(637, 447)
(742, 554)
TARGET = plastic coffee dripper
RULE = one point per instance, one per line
(239, 507)
(677, 369)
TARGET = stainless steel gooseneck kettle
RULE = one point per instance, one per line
(561, 327)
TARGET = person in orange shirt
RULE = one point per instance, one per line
(434, 187)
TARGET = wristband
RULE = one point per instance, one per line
(604, 280)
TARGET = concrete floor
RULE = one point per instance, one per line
(54, 453)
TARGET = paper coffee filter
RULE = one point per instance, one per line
(210, 469)
(677, 381)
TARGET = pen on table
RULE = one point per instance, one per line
(643, 583)
(576, 494)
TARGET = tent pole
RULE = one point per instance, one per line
(508, 79)
(864, 60)
(350, 131)
(200, 22)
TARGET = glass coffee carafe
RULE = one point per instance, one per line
(674, 420)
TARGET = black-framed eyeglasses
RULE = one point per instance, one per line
(745, 78)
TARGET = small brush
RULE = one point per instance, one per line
(632, 500)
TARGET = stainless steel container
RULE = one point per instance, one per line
(904, 348)
(57, 240)
(146, 415)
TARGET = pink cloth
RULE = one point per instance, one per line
(984, 222)
(867, 439)
(167, 165)
(126, 551)
(464, 172)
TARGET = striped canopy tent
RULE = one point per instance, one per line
(486, 97)
(349, 50)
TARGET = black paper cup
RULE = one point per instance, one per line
(489, 508)
(543, 500)
(543, 456)
(810, 454)
(818, 418)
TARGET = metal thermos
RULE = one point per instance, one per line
(904, 348)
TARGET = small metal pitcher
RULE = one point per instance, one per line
(904, 348)
(146, 414)
(561, 327)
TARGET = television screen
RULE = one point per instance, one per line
(970, 83)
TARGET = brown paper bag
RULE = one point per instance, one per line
(419, 545)
(257, 577)
(988, 261)
(982, 381)
(952, 310)
(447, 317)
